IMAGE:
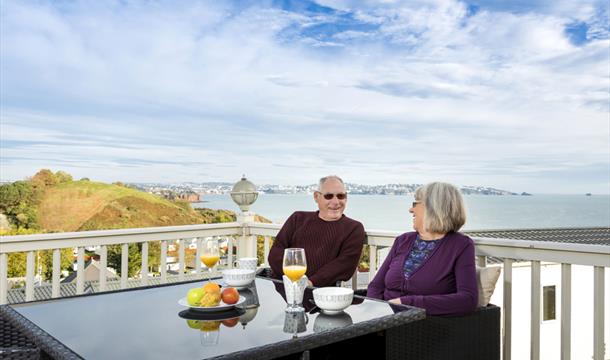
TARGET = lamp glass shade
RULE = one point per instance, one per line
(244, 194)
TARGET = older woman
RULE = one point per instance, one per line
(432, 268)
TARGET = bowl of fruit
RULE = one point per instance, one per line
(210, 298)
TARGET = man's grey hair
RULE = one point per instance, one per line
(326, 178)
(445, 210)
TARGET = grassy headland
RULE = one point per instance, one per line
(50, 202)
(87, 205)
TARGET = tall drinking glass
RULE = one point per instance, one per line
(210, 255)
(294, 266)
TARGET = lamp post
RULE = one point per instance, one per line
(244, 194)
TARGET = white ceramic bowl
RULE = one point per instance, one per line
(333, 300)
(238, 277)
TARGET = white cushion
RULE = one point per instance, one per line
(486, 281)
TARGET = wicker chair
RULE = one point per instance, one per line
(15, 345)
(471, 337)
(475, 336)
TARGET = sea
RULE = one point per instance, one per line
(484, 212)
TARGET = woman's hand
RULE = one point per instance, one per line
(395, 301)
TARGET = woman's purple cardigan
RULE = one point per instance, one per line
(445, 284)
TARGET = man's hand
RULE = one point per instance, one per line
(395, 301)
(309, 283)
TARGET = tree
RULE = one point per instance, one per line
(17, 263)
(18, 202)
(46, 261)
(62, 177)
(134, 262)
(154, 256)
(43, 178)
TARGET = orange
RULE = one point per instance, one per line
(210, 325)
(211, 287)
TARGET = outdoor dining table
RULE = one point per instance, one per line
(150, 323)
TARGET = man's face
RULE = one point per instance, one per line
(331, 209)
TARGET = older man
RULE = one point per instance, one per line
(332, 241)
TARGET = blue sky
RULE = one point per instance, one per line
(507, 94)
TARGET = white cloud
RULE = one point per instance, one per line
(400, 92)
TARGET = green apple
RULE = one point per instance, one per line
(193, 297)
(194, 324)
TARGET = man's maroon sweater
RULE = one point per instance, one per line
(332, 248)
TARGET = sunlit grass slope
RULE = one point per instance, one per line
(87, 205)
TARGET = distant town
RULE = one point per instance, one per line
(192, 192)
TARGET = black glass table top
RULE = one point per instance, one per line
(149, 323)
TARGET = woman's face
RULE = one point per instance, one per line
(417, 210)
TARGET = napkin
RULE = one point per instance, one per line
(300, 286)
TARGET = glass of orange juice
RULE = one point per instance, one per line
(294, 267)
(210, 255)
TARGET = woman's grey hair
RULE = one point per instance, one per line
(445, 210)
(326, 178)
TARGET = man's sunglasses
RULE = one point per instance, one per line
(329, 196)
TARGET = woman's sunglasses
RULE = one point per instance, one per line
(329, 196)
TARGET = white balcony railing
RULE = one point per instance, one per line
(242, 235)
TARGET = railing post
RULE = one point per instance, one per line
(124, 265)
(598, 313)
(103, 266)
(230, 242)
(29, 276)
(144, 270)
(372, 262)
(3, 278)
(566, 311)
(163, 265)
(80, 270)
(55, 287)
(246, 244)
(181, 266)
(198, 256)
(266, 248)
(535, 310)
(507, 307)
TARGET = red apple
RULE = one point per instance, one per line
(230, 322)
(229, 295)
